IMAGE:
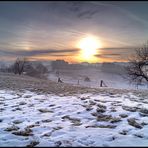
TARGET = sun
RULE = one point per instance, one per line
(89, 48)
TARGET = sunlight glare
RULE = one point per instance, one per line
(89, 48)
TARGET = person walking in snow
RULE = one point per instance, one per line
(102, 83)
(59, 80)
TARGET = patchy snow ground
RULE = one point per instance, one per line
(30, 119)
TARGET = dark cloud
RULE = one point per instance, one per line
(58, 55)
(87, 14)
(85, 10)
(115, 52)
(123, 50)
(119, 48)
(80, 10)
(36, 52)
(106, 55)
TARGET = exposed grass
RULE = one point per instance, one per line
(44, 110)
(33, 143)
(101, 126)
(133, 122)
(22, 82)
(25, 132)
(12, 128)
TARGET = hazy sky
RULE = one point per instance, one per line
(51, 30)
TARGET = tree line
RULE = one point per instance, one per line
(26, 67)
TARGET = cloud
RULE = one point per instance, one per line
(108, 55)
(104, 55)
(83, 10)
(58, 55)
(124, 11)
(87, 14)
(114, 53)
(36, 52)
(120, 50)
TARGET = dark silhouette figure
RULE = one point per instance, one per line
(59, 80)
(78, 82)
(102, 84)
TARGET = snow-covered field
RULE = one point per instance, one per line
(31, 119)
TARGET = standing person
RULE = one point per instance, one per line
(78, 82)
(59, 80)
(101, 83)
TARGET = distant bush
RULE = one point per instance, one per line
(38, 70)
(87, 79)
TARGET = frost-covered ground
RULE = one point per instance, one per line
(88, 119)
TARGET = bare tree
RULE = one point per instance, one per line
(137, 70)
(18, 66)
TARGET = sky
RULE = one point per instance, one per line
(52, 30)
